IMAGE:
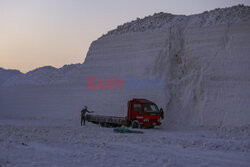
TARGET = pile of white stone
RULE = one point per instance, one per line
(163, 20)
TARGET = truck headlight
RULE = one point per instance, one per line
(146, 120)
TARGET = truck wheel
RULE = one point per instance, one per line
(135, 124)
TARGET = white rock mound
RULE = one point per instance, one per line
(235, 14)
(203, 60)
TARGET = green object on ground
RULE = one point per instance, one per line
(126, 130)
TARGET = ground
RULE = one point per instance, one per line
(63, 143)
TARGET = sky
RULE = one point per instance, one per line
(35, 33)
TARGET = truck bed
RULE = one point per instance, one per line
(106, 119)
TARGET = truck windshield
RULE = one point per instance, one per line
(151, 109)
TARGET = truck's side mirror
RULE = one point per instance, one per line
(161, 110)
(162, 113)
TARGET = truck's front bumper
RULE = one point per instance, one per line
(151, 123)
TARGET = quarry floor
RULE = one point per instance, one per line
(66, 143)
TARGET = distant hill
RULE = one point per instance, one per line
(6, 74)
(40, 76)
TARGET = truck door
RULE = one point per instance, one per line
(136, 111)
(129, 111)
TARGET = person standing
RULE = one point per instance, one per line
(83, 114)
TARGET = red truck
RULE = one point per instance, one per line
(141, 113)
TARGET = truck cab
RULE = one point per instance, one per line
(143, 113)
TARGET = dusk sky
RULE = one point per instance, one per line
(35, 33)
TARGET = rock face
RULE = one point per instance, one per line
(203, 61)
(209, 79)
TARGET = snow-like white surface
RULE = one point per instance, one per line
(54, 143)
